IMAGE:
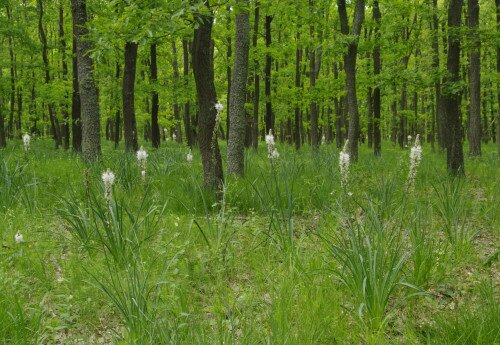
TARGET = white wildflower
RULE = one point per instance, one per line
(344, 160)
(272, 153)
(19, 237)
(143, 174)
(323, 140)
(219, 107)
(26, 142)
(189, 156)
(174, 136)
(109, 179)
(415, 158)
(409, 138)
(142, 158)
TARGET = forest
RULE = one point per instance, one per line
(249, 172)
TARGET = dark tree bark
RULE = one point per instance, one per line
(267, 73)
(187, 116)
(177, 110)
(76, 109)
(339, 137)
(439, 108)
(298, 60)
(203, 68)
(91, 118)
(155, 128)
(454, 149)
(117, 127)
(54, 123)
(350, 69)
(313, 106)
(474, 79)
(229, 54)
(237, 116)
(377, 142)
(256, 77)
(3, 141)
(369, 114)
(65, 125)
(130, 127)
(497, 2)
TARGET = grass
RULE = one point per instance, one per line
(286, 257)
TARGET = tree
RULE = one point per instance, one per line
(91, 119)
(267, 76)
(237, 115)
(377, 146)
(129, 121)
(452, 95)
(474, 79)
(350, 68)
(155, 128)
(203, 69)
(54, 123)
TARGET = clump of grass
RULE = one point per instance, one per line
(370, 261)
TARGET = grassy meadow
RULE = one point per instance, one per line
(285, 255)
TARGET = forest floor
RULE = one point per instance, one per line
(286, 256)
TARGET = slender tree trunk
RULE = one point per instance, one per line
(177, 109)
(91, 119)
(256, 97)
(474, 80)
(203, 68)
(267, 72)
(497, 2)
(350, 69)
(455, 156)
(65, 125)
(377, 142)
(155, 129)
(339, 137)
(76, 121)
(237, 118)
(313, 106)
(130, 127)
(369, 113)
(298, 59)
(439, 108)
(117, 131)
(3, 141)
(229, 54)
(54, 124)
(187, 116)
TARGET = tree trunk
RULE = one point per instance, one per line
(91, 119)
(177, 110)
(256, 96)
(3, 141)
(203, 68)
(130, 127)
(454, 149)
(439, 109)
(298, 59)
(155, 129)
(474, 80)
(229, 54)
(350, 69)
(497, 2)
(267, 72)
(54, 124)
(117, 131)
(65, 124)
(377, 142)
(313, 106)
(369, 113)
(187, 116)
(237, 118)
(76, 112)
